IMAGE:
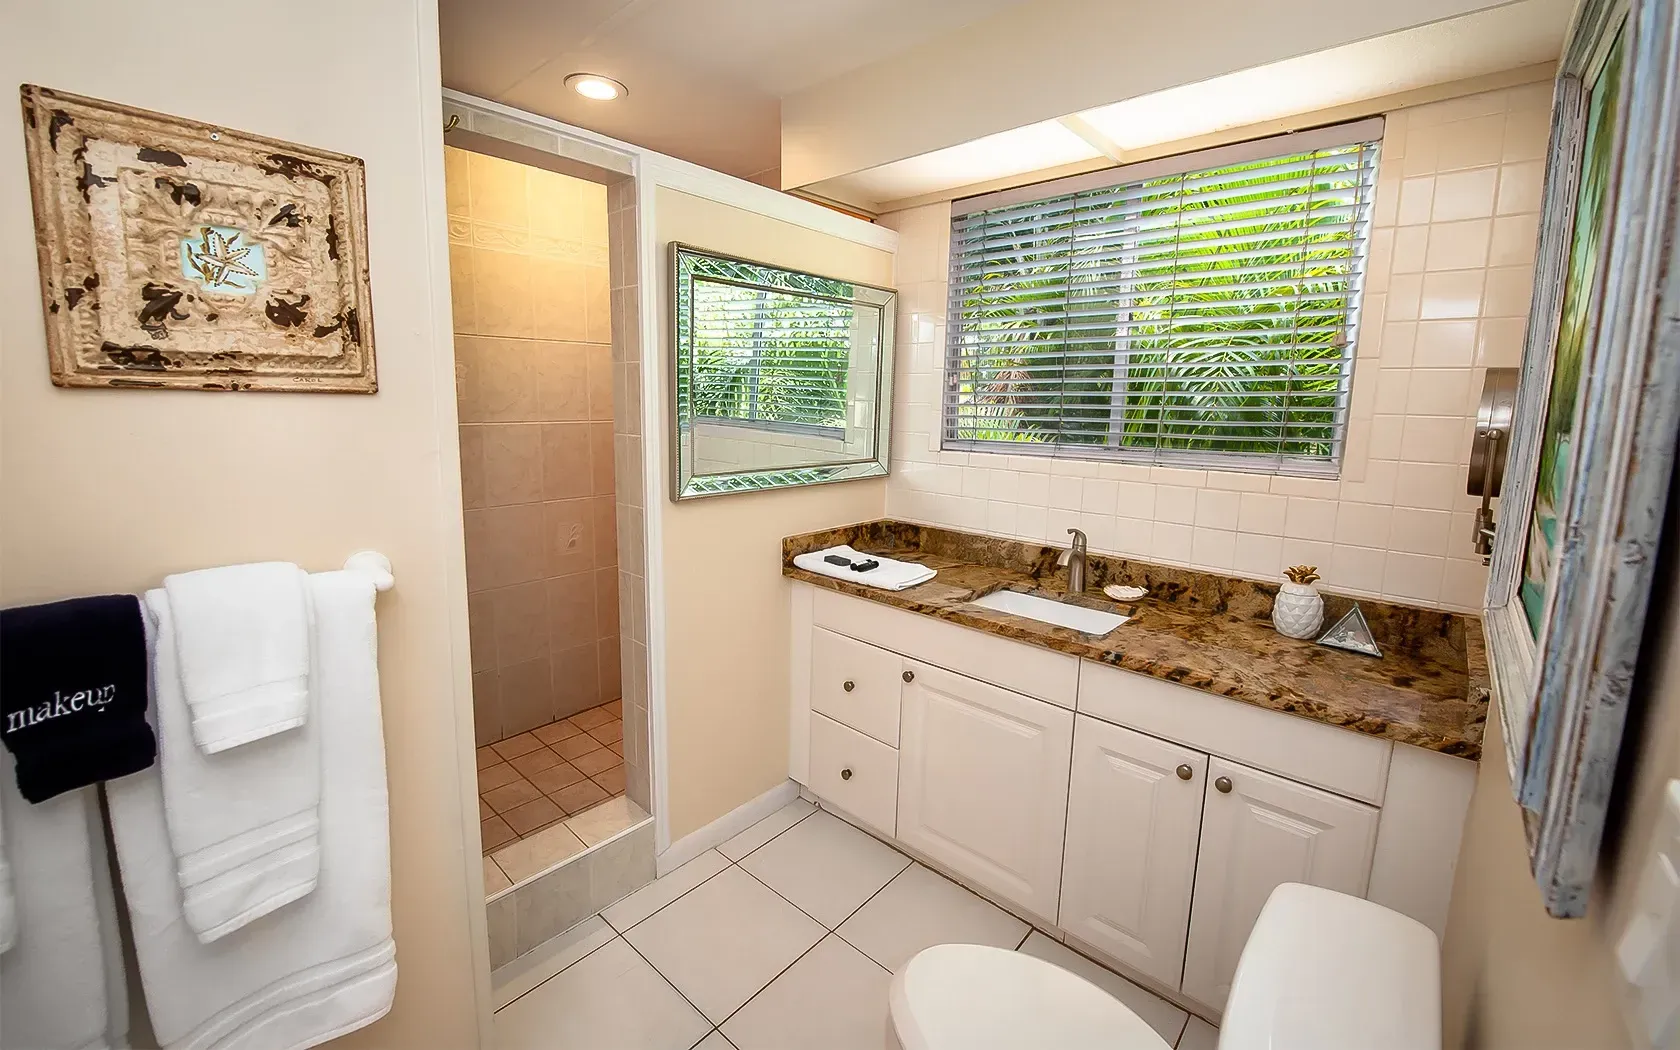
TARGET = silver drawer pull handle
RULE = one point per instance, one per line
(909, 676)
(845, 774)
(1185, 772)
(849, 686)
(1223, 784)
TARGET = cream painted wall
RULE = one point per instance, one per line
(1514, 978)
(1062, 58)
(1446, 297)
(726, 602)
(106, 490)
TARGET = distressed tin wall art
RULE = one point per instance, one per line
(181, 255)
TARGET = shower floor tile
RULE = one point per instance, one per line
(535, 780)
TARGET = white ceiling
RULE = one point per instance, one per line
(705, 77)
(1489, 41)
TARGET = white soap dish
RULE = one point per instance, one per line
(1121, 593)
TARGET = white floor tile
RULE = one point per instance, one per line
(547, 959)
(767, 829)
(1162, 1016)
(715, 1041)
(721, 943)
(919, 909)
(612, 998)
(1199, 1035)
(663, 890)
(825, 866)
(834, 998)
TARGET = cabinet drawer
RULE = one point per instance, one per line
(854, 772)
(856, 684)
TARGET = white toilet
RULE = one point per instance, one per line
(1321, 971)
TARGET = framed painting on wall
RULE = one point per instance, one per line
(1594, 439)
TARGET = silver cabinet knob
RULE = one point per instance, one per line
(849, 686)
(909, 676)
(846, 774)
(1223, 784)
(1185, 772)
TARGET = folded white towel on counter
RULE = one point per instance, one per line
(326, 964)
(56, 987)
(889, 575)
(242, 638)
(244, 824)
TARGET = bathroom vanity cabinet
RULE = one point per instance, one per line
(1144, 821)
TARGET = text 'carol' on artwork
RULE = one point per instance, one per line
(185, 255)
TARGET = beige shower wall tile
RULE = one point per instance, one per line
(601, 458)
(521, 623)
(514, 458)
(558, 294)
(567, 470)
(604, 515)
(572, 605)
(496, 190)
(496, 380)
(597, 305)
(481, 630)
(577, 683)
(568, 529)
(563, 380)
(556, 206)
(472, 467)
(599, 357)
(506, 545)
(461, 301)
(502, 283)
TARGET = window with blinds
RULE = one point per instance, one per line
(1200, 317)
(769, 357)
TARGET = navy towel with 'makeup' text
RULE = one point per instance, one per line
(73, 693)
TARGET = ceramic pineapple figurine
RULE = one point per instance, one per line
(1298, 610)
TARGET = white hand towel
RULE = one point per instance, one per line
(242, 635)
(53, 989)
(244, 823)
(324, 965)
(889, 575)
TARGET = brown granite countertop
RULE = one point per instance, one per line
(1209, 632)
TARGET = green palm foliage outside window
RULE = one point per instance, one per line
(1205, 317)
(763, 355)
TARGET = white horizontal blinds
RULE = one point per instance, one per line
(1203, 316)
(761, 354)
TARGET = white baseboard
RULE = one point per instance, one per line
(725, 827)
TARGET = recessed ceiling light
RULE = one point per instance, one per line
(597, 87)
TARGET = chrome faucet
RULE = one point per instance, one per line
(1075, 558)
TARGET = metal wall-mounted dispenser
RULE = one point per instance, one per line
(1488, 452)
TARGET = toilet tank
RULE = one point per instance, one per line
(1326, 971)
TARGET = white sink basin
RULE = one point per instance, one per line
(1045, 610)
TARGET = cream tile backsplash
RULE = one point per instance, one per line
(1446, 297)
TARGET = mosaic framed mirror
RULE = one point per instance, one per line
(1594, 436)
(779, 377)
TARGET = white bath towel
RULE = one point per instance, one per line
(8, 896)
(326, 964)
(243, 823)
(242, 636)
(889, 575)
(55, 987)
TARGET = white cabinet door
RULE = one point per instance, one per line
(983, 781)
(1134, 816)
(1260, 832)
